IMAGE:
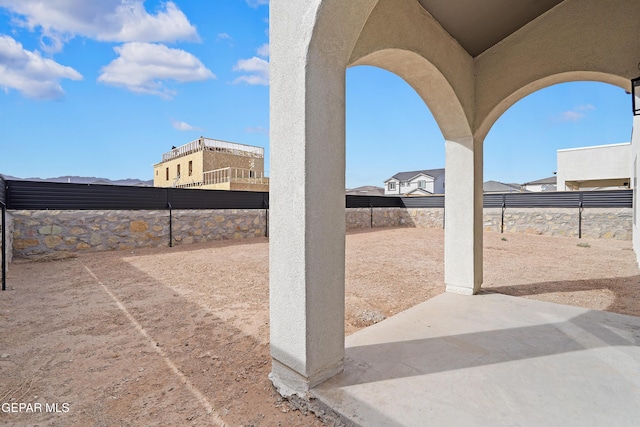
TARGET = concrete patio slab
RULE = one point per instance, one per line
(491, 360)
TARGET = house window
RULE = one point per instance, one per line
(190, 167)
(392, 186)
(405, 184)
(178, 171)
(422, 184)
(156, 173)
(167, 174)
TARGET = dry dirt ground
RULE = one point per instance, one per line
(179, 336)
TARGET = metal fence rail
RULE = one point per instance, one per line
(373, 201)
(35, 195)
(561, 199)
(423, 202)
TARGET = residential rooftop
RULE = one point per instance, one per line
(203, 143)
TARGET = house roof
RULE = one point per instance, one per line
(366, 190)
(408, 176)
(419, 192)
(500, 187)
(550, 180)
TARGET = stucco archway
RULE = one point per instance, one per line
(308, 166)
(565, 77)
(312, 43)
(428, 82)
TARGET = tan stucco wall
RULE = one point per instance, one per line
(440, 70)
(577, 40)
(159, 170)
(600, 164)
(203, 161)
(311, 44)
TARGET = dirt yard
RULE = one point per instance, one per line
(179, 336)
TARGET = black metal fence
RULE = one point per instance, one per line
(34, 195)
(561, 199)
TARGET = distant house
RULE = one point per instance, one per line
(601, 167)
(416, 183)
(501, 187)
(541, 185)
(211, 164)
(366, 190)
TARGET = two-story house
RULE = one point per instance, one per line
(415, 183)
(214, 165)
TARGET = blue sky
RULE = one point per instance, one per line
(104, 88)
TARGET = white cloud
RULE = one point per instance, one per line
(585, 107)
(257, 68)
(255, 3)
(257, 129)
(223, 36)
(576, 114)
(31, 74)
(264, 50)
(183, 126)
(570, 116)
(103, 20)
(146, 67)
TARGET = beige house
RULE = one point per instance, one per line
(601, 167)
(211, 164)
(541, 185)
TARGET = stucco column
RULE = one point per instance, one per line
(463, 216)
(307, 202)
(635, 153)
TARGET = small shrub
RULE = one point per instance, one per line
(504, 239)
(583, 245)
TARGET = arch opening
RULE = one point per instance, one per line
(390, 131)
(543, 136)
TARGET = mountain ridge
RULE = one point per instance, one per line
(73, 179)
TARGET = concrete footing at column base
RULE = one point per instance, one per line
(462, 290)
(290, 383)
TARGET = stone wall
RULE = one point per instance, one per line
(43, 232)
(359, 218)
(9, 238)
(597, 223)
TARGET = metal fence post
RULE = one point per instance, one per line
(580, 209)
(265, 203)
(504, 207)
(170, 225)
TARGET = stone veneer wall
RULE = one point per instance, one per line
(9, 238)
(43, 232)
(359, 218)
(597, 223)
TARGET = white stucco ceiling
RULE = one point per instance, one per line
(479, 24)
